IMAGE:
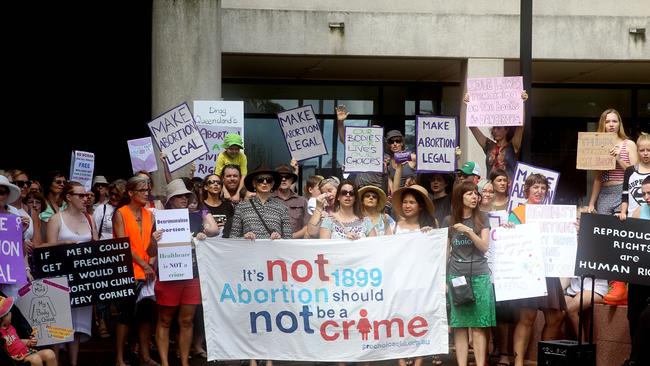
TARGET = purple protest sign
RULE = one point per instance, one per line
(142, 155)
(12, 262)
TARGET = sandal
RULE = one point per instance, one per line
(202, 354)
(435, 360)
(501, 361)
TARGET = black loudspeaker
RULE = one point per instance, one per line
(571, 353)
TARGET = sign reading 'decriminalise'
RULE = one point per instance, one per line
(175, 246)
(302, 133)
(436, 140)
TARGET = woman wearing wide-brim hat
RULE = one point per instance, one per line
(373, 202)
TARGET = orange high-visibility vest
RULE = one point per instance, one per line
(139, 240)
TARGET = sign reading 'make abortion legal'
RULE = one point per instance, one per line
(614, 250)
(97, 271)
(178, 137)
(436, 140)
(495, 101)
(12, 261)
(364, 149)
(302, 133)
(523, 171)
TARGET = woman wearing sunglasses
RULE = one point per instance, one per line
(53, 188)
(373, 202)
(346, 220)
(29, 218)
(71, 226)
(395, 142)
(222, 211)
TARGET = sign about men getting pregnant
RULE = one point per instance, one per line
(302, 133)
(364, 149)
(325, 300)
(436, 140)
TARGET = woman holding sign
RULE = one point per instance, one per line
(74, 225)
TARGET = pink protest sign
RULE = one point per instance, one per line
(495, 102)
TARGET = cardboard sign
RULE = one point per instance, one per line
(593, 151)
(614, 250)
(302, 133)
(46, 306)
(559, 237)
(175, 247)
(517, 262)
(142, 155)
(436, 140)
(82, 165)
(293, 299)
(495, 102)
(216, 119)
(97, 271)
(364, 149)
(12, 260)
(178, 137)
(523, 170)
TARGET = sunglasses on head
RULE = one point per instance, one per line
(211, 182)
(265, 179)
(23, 183)
(345, 192)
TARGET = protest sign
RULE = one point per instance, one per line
(436, 140)
(325, 300)
(593, 151)
(302, 133)
(364, 149)
(495, 102)
(216, 119)
(97, 271)
(517, 262)
(142, 155)
(46, 306)
(175, 246)
(12, 261)
(557, 224)
(612, 249)
(82, 165)
(178, 137)
(523, 171)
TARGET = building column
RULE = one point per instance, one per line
(475, 68)
(185, 59)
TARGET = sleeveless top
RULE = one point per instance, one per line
(617, 174)
(407, 172)
(65, 234)
(500, 157)
(140, 240)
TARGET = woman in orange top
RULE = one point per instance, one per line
(134, 221)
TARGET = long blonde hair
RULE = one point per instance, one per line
(603, 117)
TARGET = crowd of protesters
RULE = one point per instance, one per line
(263, 203)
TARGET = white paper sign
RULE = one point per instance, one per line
(364, 149)
(45, 303)
(436, 139)
(302, 133)
(523, 171)
(82, 165)
(517, 262)
(178, 137)
(325, 300)
(495, 101)
(175, 247)
(559, 237)
(142, 155)
(216, 119)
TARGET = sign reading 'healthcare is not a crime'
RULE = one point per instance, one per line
(302, 133)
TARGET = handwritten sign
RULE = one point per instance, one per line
(559, 238)
(614, 250)
(495, 101)
(178, 137)
(436, 140)
(364, 149)
(216, 119)
(12, 261)
(46, 306)
(82, 165)
(523, 171)
(97, 271)
(517, 262)
(302, 133)
(142, 155)
(593, 151)
(175, 247)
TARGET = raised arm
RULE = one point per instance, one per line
(519, 131)
(341, 115)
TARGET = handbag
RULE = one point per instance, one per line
(461, 289)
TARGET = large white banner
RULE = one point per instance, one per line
(325, 300)
(517, 262)
(436, 139)
(364, 149)
(523, 170)
(559, 238)
(302, 133)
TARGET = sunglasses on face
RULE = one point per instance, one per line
(211, 182)
(4, 192)
(113, 194)
(285, 176)
(101, 185)
(81, 195)
(345, 192)
(370, 195)
(23, 183)
(394, 141)
(264, 179)
(60, 182)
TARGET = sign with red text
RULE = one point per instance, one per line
(178, 137)
(364, 149)
(302, 133)
(495, 102)
(325, 300)
(436, 139)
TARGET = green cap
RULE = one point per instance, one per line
(233, 139)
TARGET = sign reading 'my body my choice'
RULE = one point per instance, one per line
(364, 149)
(216, 119)
(495, 101)
(523, 171)
(436, 140)
(302, 133)
(12, 262)
(178, 137)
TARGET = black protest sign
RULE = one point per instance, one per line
(97, 271)
(614, 250)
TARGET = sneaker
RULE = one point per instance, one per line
(617, 294)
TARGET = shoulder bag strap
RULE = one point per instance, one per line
(101, 223)
(261, 219)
